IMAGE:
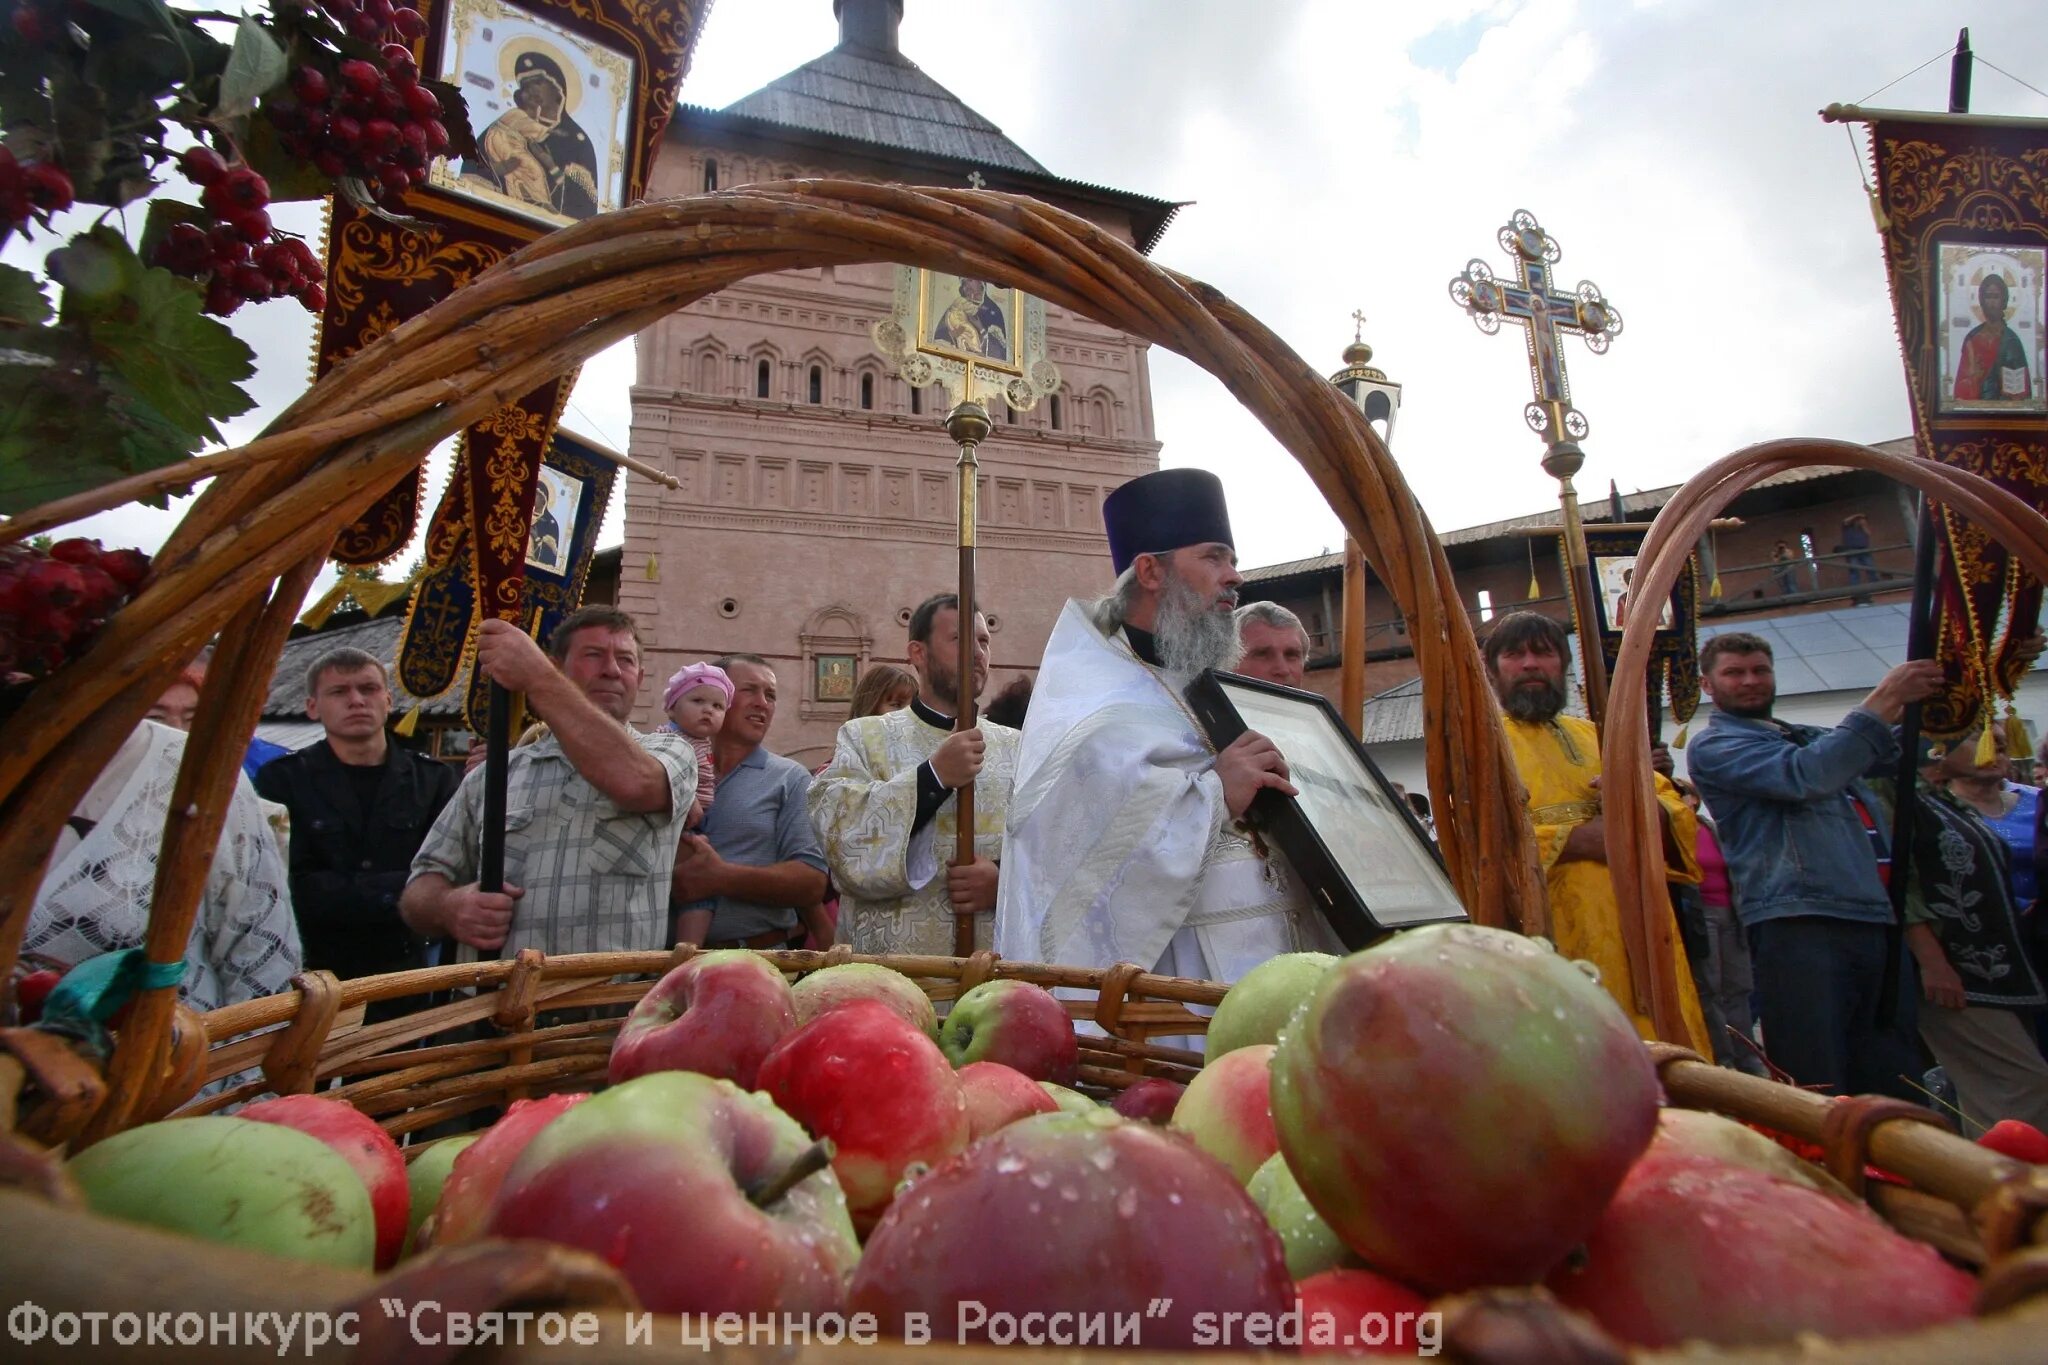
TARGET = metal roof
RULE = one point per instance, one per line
(1847, 649)
(1594, 511)
(884, 98)
(379, 637)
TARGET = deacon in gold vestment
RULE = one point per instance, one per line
(886, 813)
(1558, 757)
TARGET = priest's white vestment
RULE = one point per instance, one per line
(891, 880)
(1119, 847)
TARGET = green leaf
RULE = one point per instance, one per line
(179, 362)
(163, 214)
(255, 66)
(288, 176)
(97, 269)
(138, 63)
(58, 433)
(21, 298)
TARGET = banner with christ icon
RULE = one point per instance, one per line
(1962, 205)
(1674, 668)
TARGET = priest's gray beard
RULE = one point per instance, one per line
(1533, 699)
(1192, 634)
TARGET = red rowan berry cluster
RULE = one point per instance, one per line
(238, 257)
(31, 187)
(51, 604)
(370, 120)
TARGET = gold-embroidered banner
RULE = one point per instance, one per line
(1963, 209)
(568, 100)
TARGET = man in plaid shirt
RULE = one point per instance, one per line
(593, 811)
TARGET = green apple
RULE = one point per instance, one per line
(424, 1177)
(1260, 1004)
(1228, 1109)
(833, 986)
(1070, 1101)
(1311, 1246)
(258, 1185)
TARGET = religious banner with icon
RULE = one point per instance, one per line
(978, 340)
(1963, 209)
(567, 101)
(573, 490)
(1674, 667)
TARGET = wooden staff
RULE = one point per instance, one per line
(1351, 639)
(968, 424)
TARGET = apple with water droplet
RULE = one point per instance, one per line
(716, 1014)
(1015, 1023)
(1079, 1214)
(706, 1198)
(998, 1096)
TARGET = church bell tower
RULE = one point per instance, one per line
(1377, 396)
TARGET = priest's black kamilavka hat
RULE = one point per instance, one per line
(1163, 511)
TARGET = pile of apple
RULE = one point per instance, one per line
(1453, 1109)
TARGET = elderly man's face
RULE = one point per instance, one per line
(605, 665)
(1275, 654)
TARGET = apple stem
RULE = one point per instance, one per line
(808, 1163)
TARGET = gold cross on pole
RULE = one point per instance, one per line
(1543, 310)
(1358, 324)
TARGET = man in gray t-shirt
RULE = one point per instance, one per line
(757, 868)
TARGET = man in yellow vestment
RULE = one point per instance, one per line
(1558, 757)
(886, 813)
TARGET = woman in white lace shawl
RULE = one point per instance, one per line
(95, 896)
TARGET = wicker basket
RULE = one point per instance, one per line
(1971, 1203)
(238, 567)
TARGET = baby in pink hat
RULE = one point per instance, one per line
(696, 700)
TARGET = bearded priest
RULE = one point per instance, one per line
(1123, 843)
(886, 810)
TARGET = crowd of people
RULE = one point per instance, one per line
(1106, 827)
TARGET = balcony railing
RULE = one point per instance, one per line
(1842, 576)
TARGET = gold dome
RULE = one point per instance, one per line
(1357, 353)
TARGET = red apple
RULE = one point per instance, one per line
(1017, 1024)
(1359, 1313)
(1073, 1214)
(717, 1014)
(1151, 1100)
(1228, 1109)
(998, 1096)
(834, 986)
(369, 1149)
(1460, 1103)
(879, 1089)
(2017, 1139)
(480, 1168)
(1693, 1249)
(706, 1198)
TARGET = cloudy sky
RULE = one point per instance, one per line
(1353, 154)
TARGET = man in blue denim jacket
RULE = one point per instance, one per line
(1802, 843)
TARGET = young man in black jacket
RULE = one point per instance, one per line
(360, 807)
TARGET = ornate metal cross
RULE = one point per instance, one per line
(1357, 324)
(1543, 310)
(974, 179)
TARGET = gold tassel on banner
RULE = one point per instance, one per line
(407, 723)
(1678, 740)
(2017, 745)
(1714, 588)
(653, 569)
(1535, 591)
(1987, 747)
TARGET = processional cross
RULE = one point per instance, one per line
(1533, 300)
